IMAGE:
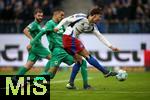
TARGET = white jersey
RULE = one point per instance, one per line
(78, 23)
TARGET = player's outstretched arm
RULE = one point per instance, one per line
(66, 21)
(104, 40)
(39, 35)
(27, 33)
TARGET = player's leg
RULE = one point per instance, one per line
(83, 66)
(91, 60)
(25, 68)
(51, 67)
(84, 74)
(53, 64)
(75, 46)
(42, 52)
(32, 58)
(79, 63)
(70, 46)
(69, 60)
(76, 67)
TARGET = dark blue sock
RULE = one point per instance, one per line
(91, 60)
(75, 70)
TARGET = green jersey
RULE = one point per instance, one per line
(34, 29)
(54, 38)
(59, 55)
(38, 50)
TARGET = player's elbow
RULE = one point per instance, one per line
(25, 31)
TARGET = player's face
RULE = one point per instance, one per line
(96, 18)
(60, 16)
(39, 17)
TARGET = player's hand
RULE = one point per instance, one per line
(115, 49)
(29, 47)
(56, 29)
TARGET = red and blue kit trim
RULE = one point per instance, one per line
(72, 45)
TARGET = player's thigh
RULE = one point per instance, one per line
(84, 53)
(54, 62)
(69, 60)
(42, 52)
(72, 45)
(32, 57)
(62, 56)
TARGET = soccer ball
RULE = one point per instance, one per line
(122, 75)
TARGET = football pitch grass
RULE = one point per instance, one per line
(136, 87)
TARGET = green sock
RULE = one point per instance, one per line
(51, 75)
(22, 71)
(84, 72)
(46, 70)
(47, 66)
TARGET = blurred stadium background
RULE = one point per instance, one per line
(126, 23)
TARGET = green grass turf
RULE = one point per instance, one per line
(136, 87)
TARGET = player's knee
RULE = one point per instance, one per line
(27, 66)
(85, 54)
(79, 59)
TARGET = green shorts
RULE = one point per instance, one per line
(59, 55)
(38, 52)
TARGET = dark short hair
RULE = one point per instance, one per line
(57, 10)
(95, 10)
(37, 10)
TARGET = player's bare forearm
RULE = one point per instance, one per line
(29, 47)
(26, 32)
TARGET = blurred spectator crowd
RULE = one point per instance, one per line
(23, 9)
(125, 16)
(16, 14)
(120, 16)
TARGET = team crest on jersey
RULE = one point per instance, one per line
(87, 27)
(56, 62)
